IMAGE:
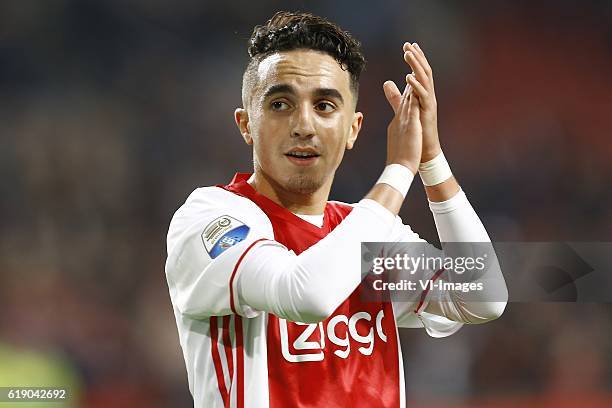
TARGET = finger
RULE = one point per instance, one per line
(393, 95)
(419, 89)
(413, 107)
(407, 91)
(414, 47)
(417, 68)
(404, 101)
(421, 57)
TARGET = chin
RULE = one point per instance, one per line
(303, 183)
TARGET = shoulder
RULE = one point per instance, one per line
(212, 198)
(208, 206)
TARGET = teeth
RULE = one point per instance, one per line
(301, 154)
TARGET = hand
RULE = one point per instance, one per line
(404, 133)
(421, 80)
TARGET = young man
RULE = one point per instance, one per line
(265, 273)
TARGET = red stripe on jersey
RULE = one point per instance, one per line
(426, 291)
(214, 336)
(227, 345)
(231, 285)
(239, 362)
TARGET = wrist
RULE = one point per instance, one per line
(430, 154)
(397, 176)
(412, 165)
(435, 170)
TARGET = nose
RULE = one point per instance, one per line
(303, 126)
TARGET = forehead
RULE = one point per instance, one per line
(304, 69)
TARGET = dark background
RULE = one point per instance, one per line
(112, 112)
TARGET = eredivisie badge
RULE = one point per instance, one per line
(223, 233)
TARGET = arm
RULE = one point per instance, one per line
(309, 287)
(258, 273)
(456, 220)
(442, 312)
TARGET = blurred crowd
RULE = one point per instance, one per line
(112, 112)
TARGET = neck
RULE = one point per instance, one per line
(297, 203)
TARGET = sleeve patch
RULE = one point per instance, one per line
(223, 233)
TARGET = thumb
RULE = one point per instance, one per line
(393, 95)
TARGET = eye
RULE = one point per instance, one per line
(325, 107)
(279, 106)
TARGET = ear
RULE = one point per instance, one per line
(355, 128)
(242, 121)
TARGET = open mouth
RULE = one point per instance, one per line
(302, 156)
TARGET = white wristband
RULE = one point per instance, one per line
(435, 171)
(397, 176)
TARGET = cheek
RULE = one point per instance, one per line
(340, 136)
(268, 140)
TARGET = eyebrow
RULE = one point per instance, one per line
(288, 89)
(329, 92)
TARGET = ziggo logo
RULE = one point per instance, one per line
(302, 342)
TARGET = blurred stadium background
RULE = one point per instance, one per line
(112, 112)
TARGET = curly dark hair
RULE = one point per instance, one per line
(287, 31)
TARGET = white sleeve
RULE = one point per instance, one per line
(259, 274)
(456, 221)
(409, 307)
(206, 237)
(309, 287)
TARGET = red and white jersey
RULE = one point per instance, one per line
(240, 357)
